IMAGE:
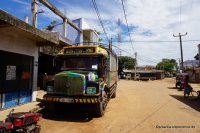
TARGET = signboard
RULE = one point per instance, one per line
(79, 50)
(11, 73)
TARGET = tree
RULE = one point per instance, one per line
(99, 33)
(125, 62)
(52, 25)
(167, 65)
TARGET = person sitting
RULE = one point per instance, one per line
(187, 88)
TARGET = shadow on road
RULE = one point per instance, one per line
(178, 89)
(193, 103)
(172, 88)
(68, 112)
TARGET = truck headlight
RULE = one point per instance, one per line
(91, 90)
(49, 88)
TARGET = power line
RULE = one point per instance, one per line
(127, 24)
(147, 60)
(122, 50)
(163, 41)
(142, 59)
(180, 13)
(99, 17)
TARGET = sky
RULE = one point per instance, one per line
(152, 24)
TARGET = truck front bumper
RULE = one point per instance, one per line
(65, 99)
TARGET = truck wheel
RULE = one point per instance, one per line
(101, 107)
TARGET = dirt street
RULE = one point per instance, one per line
(140, 107)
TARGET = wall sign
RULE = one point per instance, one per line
(11, 73)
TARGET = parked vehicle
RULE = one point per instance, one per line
(5, 127)
(86, 74)
(21, 122)
(122, 75)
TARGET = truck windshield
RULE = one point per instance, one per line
(86, 63)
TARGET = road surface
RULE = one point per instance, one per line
(140, 107)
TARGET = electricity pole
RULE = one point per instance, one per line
(181, 49)
(34, 8)
(135, 64)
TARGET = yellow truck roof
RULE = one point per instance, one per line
(83, 50)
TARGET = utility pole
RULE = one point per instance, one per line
(119, 35)
(179, 61)
(135, 64)
(34, 8)
(181, 49)
(110, 44)
(35, 12)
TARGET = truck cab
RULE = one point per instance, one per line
(83, 76)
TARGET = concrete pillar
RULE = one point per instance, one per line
(34, 8)
(65, 27)
(35, 74)
(81, 27)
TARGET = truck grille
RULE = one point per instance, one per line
(69, 85)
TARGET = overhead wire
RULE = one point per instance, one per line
(127, 24)
(164, 41)
(99, 18)
(147, 60)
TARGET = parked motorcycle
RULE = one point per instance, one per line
(21, 122)
(6, 127)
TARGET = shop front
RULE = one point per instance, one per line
(19, 48)
(16, 76)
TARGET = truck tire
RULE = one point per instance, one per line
(101, 106)
(100, 109)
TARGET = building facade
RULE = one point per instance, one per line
(19, 60)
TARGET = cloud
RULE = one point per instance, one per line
(21, 2)
(149, 20)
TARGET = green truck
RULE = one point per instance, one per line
(86, 74)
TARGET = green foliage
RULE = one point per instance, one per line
(167, 65)
(53, 22)
(51, 26)
(100, 39)
(125, 62)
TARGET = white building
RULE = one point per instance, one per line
(89, 34)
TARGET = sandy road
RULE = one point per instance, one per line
(140, 107)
